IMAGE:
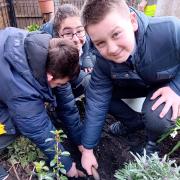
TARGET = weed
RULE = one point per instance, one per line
(23, 151)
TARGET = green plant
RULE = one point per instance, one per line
(23, 151)
(58, 168)
(172, 133)
(33, 27)
(42, 171)
(149, 168)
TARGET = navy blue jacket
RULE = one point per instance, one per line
(156, 60)
(24, 90)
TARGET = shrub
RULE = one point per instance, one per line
(23, 151)
(149, 168)
(33, 27)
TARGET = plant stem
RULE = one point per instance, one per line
(15, 171)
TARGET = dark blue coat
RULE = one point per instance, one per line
(24, 90)
(156, 60)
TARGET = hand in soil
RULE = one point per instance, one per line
(88, 160)
(74, 172)
(95, 173)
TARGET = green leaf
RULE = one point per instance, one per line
(49, 139)
(62, 170)
(165, 135)
(177, 146)
(65, 153)
(63, 136)
(53, 132)
(53, 163)
(45, 168)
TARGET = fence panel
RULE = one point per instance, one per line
(27, 12)
(4, 17)
(78, 3)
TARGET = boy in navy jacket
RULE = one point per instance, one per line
(136, 56)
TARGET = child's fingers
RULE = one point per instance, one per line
(81, 174)
(95, 173)
(175, 109)
(156, 94)
(165, 110)
(157, 103)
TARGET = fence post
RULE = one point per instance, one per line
(11, 12)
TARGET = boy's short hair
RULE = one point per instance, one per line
(63, 59)
(64, 11)
(95, 11)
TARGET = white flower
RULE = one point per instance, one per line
(174, 133)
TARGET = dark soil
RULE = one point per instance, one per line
(112, 152)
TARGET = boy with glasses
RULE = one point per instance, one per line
(66, 24)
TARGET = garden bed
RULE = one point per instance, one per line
(112, 152)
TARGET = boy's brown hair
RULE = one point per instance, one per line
(63, 59)
(64, 11)
(95, 11)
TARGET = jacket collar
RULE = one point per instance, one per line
(36, 48)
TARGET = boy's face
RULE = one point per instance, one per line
(114, 36)
(56, 82)
(71, 28)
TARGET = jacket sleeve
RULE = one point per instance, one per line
(68, 112)
(29, 116)
(175, 83)
(98, 96)
(48, 28)
(87, 59)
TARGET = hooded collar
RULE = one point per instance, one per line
(36, 48)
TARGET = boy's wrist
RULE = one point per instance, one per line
(85, 150)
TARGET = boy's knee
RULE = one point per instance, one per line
(154, 123)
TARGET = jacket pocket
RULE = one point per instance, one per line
(167, 74)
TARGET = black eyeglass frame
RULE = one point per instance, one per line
(78, 34)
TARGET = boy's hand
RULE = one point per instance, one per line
(88, 160)
(74, 172)
(142, 5)
(170, 98)
(81, 148)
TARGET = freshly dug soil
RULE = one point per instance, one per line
(112, 152)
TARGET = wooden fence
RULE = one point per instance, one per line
(4, 17)
(27, 11)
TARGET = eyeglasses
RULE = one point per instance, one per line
(70, 35)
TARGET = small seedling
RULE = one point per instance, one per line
(42, 171)
(57, 166)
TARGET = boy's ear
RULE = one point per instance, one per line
(134, 22)
(49, 77)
